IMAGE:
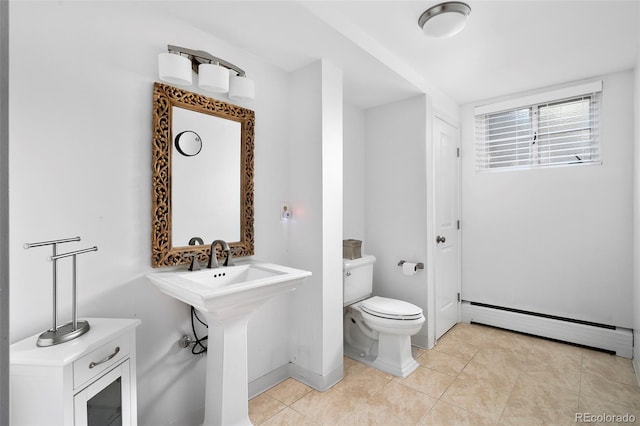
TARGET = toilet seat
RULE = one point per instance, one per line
(391, 309)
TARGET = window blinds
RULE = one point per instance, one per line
(553, 132)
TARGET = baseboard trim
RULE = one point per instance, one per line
(290, 370)
(316, 381)
(615, 339)
(269, 380)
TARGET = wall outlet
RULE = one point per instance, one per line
(285, 211)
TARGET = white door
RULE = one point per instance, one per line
(447, 214)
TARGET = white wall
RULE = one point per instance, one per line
(316, 226)
(396, 199)
(4, 211)
(555, 240)
(81, 78)
(636, 220)
(332, 228)
(354, 175)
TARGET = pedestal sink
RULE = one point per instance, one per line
(227, 296)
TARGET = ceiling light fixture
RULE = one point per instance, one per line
(444, 19)
(216, 75)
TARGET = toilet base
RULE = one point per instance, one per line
(394, 360)
(394, 355)
(390, 353)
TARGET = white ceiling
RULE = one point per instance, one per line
(507, 46)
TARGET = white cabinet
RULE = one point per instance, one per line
(87, 381)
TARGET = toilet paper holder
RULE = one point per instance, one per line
(418, 265)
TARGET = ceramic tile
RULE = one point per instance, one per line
(359, 367)
(609, 367)
(496, 356)
(475, 376)
(427, 381)
(599, 388)
(263, 407)
(477, 335)
(526, 413)
(536, 402)
(540, 390)
(289, 417)
(347, 362)
(456, 346)
(361, 383)
(367, 414)
(289, 391)
(328, 407)
(476, 396)
(441, 361)
(518, 344)
(589, 405)
(552, 358)
(493, 374)
(443, 414)
(395, 404)
(551, 381)
(558, 347)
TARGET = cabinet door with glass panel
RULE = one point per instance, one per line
(107, 401)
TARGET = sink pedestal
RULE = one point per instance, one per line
(227, 391)
(227, 296)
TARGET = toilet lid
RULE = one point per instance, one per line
(391, 308)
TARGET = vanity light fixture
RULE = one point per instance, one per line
(445, 19)
(215, 74)
(174, 69)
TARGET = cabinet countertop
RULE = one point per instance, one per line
(25, 352)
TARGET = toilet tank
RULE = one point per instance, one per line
(357, 278)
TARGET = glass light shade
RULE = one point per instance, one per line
(214, 78)
(445, 24)
(241, 88)
(174, 69)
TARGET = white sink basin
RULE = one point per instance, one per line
(227, 296)
(225, 290)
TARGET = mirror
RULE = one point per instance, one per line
(215, 155)
(202, 176)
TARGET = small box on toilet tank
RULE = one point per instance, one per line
(351, 249)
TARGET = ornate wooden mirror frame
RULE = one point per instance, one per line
(164, 98)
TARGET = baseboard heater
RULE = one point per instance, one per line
(605, 337)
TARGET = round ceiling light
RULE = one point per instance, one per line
(444, 19)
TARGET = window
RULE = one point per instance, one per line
(553, 128)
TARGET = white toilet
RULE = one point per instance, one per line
(377, 330)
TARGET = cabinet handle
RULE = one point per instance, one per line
(93, 364)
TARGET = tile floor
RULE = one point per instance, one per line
(476, 375)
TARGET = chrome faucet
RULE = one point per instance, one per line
(213, 261)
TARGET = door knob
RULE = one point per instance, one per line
(440, 239)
